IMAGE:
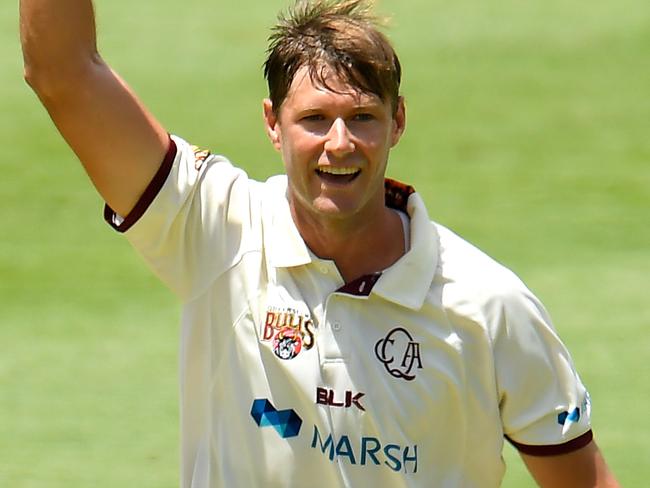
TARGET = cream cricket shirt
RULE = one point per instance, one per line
(292, 378)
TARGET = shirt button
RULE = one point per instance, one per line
(336, 326)
(323, 269)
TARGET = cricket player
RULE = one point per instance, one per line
(332, 334)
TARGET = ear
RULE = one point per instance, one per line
(271, 124)
(399, 122)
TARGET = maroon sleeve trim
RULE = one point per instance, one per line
(554, 450)
(148, 196)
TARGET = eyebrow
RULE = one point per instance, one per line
(359, 106)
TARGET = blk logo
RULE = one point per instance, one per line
(286, 422)
(325, 396)
(399, 353)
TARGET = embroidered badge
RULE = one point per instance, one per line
(287, 343)
(288, 330)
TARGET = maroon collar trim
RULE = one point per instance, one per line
(397, 194)
(361, 287)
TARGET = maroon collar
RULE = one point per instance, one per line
(397, 194)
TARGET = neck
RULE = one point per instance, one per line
(359, 245)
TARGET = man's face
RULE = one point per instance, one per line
(335, 147)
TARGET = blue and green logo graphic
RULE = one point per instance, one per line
(565, 417)
(287, 423)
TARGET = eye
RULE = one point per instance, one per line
(363, 117)
(313, 118)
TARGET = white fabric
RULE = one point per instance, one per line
(406, 228)
(484, 359)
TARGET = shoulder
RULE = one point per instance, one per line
(476, 287)
(466, 266)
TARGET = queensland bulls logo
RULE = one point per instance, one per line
(289, 331)
(200, 156)
(399, 353)
(287, 343)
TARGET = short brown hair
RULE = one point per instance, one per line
(339, 37)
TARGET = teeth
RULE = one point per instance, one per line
(337, 171)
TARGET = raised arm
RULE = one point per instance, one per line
(120, 144)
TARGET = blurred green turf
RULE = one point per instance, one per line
(528, 135)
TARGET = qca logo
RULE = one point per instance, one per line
(399, 353)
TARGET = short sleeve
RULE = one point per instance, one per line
(545, 408)
(190, 223)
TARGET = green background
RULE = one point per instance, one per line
(528, 135)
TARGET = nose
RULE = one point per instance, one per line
(339, 140)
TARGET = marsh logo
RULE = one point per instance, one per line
(573, 416)
(399, 353)
(366, 451)
(567, 418)
(287, 423)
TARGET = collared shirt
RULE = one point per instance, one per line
(291, 377)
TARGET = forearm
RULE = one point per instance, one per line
(585, 468)
(58, 38)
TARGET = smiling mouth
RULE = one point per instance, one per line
(334, 175)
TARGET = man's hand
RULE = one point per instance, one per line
(120, 144)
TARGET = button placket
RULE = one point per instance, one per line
(328, 342)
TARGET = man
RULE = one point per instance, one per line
(332, 334)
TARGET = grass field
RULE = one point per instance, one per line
(528, 134)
